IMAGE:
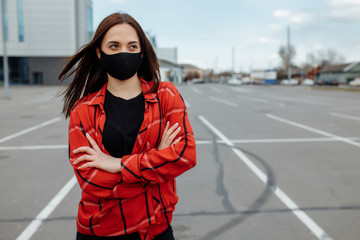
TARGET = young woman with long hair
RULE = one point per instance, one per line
(129, 135)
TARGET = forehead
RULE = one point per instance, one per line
(121, 33)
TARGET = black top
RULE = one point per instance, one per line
(122, 124)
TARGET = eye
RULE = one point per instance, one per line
(133, 47)
(113, 46)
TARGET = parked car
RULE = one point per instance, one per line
(292, 81)
(234, 81)
(197, 80)
(355, 82)
(329, 82)
(307, 82)
(246, 80)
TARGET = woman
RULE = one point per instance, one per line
(129, 135)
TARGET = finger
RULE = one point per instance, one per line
(174, 134)
(87, 165)
(165, 133)
(173, 128)
(177, 140)
(167, 126)
(92, 142)
(84, 158)
(87, 150)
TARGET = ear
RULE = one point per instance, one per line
(98, 52)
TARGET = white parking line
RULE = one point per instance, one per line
(40, 147)
(47, 210)
(30, 129)
(260, 100)
(187, 103)
(357, 144)
(247, 141)
(196, 90)
(313, 226)
(223, 101)
(242, 90)
(300, 101)
(345, 116)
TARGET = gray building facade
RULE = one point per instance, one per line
(40, 35)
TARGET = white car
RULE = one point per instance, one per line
(285, 82)
(355, 82)
(234, 81)
(307, 82)
(246, 80)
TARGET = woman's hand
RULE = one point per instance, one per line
(96, 158)
(169, 135)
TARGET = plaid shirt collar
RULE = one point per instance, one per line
(99, 97)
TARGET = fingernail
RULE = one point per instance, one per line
(179, 128)
(87, 134)
(167, 123)
(74, 151)
(176, 124)
(179, 138)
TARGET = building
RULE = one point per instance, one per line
(341, 73)
(40, 35)
(191, 71)
(170, 71)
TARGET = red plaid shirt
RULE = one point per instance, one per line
(143, 196)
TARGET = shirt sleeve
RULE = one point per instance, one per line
(168, 163)
(93, 181)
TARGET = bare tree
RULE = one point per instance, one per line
(287, 55)
(324, 57)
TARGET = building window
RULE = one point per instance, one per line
(5, 20)
(20, 14)
(89, 22)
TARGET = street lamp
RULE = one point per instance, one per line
(5, 58)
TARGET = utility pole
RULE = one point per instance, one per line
(5, 58)
(288, 54)
(233, 61)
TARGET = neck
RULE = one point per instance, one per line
(125, 89)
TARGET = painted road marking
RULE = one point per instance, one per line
(40, 147)
(301, 101)
(242, 90)
(30, 129)
(187, 103)
(260, 100)
(345, 116)
(196, 90)
(346, 140)
(201, 142)
(223, 101)
(313, 226)
(47, 210)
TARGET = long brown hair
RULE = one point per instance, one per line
(90, 75)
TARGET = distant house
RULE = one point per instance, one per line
(342, 73)
(191, 71)
(313, 73)
(170, 72)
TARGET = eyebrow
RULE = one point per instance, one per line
(128, 42)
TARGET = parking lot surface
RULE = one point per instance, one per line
(273, 162)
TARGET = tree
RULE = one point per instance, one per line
(324, 57)
(287, 55)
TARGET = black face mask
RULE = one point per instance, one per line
(122, 65)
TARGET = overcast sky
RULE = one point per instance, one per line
(205, 32)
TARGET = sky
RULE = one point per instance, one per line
(208, 32)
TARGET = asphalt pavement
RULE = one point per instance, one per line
(273, 162)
